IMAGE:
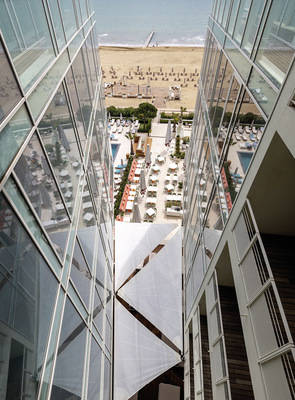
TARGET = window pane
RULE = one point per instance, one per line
(241, 20)
(68, 17)
(59, 139)
(27, 296)
(58, 27)
(27, 36)
(12, 137)
(233, 16)
(47, 86)
(274, 52)
(94, 371)
(9, 91)
(80, 274)
(30, 220)
(252, 25)
(68, 377)
(237, 58)
(261, 90)
(37, 180)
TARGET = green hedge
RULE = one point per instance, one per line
(122, 187)
(148, 125)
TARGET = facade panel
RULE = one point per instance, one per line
(55, 218)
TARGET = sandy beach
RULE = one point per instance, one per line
(150, 72)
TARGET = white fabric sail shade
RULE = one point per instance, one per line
(134, 242)
(156, 292)
(139, 355)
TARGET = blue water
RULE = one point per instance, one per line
(245, 159)
(129, 22)
(115, 149)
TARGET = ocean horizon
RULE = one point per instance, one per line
(174, 23)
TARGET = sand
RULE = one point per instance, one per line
(130, 70)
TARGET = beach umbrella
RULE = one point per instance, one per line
(136, 214)
(142, 182)
(121, 117)
(168, 137)
(109, 115)
(133, 118)
(148, 156)
(172, 69)
(63, 138)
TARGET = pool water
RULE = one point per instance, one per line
(245, 159)
(115, 149)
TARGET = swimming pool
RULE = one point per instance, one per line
(245, 159)
(115, 149)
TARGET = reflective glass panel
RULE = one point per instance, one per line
(252, 25)
(68, 376)
(31, 222)
(98, 312)
(58, 27)
(76, 107)
(100, 269)
(94, 371)
(233, 16)
(83, 89)
(263, 93)
(47, 86)
(9, 91)
(237, 58)
(276, 47)
(27, 295)
(12, 137)
(57, 132)
(80, 274)
(69, 17)
(241, 20)
(106, 380)
(37, 180)
(26, 34)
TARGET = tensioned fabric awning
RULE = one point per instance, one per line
(156, 290)
(139, 355)
(134, 242)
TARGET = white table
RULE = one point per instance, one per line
(152, 189)
(151, 200)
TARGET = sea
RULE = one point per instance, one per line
(130, 22)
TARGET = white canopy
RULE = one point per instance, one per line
(134, 242)
(156, 290)
(139, 355)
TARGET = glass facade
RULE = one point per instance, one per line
(249, 49)
(56, 224)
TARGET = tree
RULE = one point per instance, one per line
(84, 113)
(182, 110)
(146, 110)
(131, 136)
(175, 118)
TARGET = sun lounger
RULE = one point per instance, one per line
(245, 137)
(243, 146)
(252, 137)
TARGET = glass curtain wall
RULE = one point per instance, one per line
(56, 223)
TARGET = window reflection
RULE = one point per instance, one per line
(263, 93)
(276, 47)
(58, 135)
(68, 376)
(57, 23)
(80, 274)
(9, 91)
(77, 108)
(94, 371)
(36, 178)
(98, 312)
(69, 17)
(27, 295)
(12, 137)
(252, 25)
(27, 36)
